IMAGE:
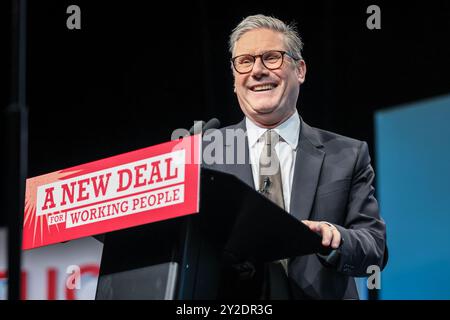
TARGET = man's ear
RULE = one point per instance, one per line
(301, 71)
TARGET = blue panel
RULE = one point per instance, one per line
(361, 286)
(413, 184)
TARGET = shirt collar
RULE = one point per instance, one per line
(289, 131)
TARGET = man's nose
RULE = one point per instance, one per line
(259, 69)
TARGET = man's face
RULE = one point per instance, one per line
(268, 97)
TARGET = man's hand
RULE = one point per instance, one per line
(330, 234)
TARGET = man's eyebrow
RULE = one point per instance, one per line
(259, 52)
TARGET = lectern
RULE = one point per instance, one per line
(213, 254)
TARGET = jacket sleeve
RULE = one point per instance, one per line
(364, 231)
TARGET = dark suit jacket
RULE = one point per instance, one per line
(332, 182)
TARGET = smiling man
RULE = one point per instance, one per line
(267, 77)
(321, 178)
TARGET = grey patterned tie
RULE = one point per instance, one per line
(270, 183)
(269, 170)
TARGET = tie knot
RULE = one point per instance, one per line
(271, 137)
(270, 171)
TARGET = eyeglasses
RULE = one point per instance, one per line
(271, 60)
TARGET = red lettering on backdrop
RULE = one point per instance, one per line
(139, 175)
(121, 173)
(168, 175)
(82, 189)
(51, 284)
(156, 172)
(49, 199)
(101, 186)
(23, 283)
(69, 193)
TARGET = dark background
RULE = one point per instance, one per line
(136, 71)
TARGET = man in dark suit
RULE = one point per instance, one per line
(321, 178)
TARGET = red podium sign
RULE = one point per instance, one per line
(139, 187)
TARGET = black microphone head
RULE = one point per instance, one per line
(197, 127)
(214, 123)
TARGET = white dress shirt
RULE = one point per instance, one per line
(286, 150)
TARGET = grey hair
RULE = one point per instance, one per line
(293, 42)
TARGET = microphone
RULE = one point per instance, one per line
(266, 185)
(213, 123)
(198, 126)
(201, 126)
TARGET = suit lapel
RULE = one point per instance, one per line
(308, 165)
